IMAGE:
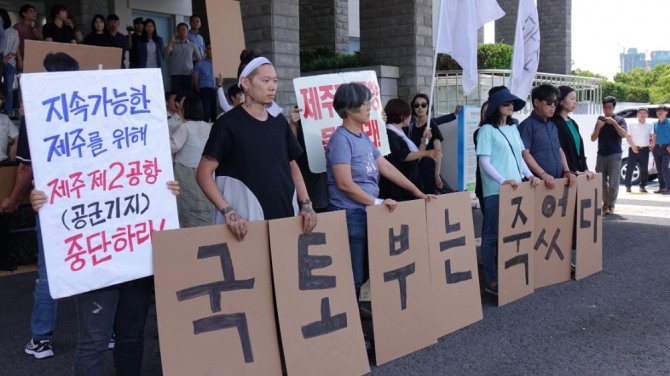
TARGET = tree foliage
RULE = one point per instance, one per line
(638, 85)
(489, 56)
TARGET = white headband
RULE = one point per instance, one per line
(273, 109)
(253, 64)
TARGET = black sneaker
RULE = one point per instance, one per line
(39, 349)
(628, 189)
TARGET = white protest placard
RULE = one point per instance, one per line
(100, 151)
(319, 120)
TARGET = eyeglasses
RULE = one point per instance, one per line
(422, 105)
(551, 102)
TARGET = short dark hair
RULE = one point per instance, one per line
(396, 110)
(233, 90)
(193, 108)
(112, 17)
(609, 99)
(543, 92)
(60, 62)
(6, 21)
(138, 20)
(169, 93)
(194, 15)
(182, 24)
(55, 9)
(25, 8)
(350, 97)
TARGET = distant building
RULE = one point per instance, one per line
(659, 57)
(632, 59)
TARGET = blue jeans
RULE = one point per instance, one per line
(43, 317)
(357, 226)
(9, 74)
(122, 310)
(489, 247)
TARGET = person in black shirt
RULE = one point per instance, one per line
(99, 35)
(57, 30)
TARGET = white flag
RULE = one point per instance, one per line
(526, 55)
(457, 28)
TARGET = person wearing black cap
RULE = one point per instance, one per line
(543, 152)
(661, 141)
(638, 135)
(609, 131)
(499, 149)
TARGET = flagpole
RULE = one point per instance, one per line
(433, 79)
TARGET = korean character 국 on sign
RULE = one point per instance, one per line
(139, 101)
(75, 252)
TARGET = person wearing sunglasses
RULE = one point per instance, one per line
(419, 133)
(543, 153)
(499, 149)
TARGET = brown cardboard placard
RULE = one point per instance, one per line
(228, 25)
(199, 270)
(589, 254)
(88, 57)
(404, 318)
(552, 234)
(453, 262)
(318, 315)
(7, 179)
(516, 276)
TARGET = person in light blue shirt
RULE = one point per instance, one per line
(661, 141)
(205, 84)
(194, 35)
(499, 149)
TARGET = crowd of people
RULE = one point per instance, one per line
(237, 158)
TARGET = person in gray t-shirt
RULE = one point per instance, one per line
(179, 55)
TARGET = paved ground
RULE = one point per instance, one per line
(612, 323)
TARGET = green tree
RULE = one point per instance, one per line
(489, 56)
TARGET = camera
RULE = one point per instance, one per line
(601, 118)
(130, 28)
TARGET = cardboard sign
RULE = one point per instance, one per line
(453, 262)
(100, 151)
(225, 20)
(319, 120)
(7, 179)
(516, 275)
(589, 258)
(88, 57)
(404, 318)
(552, 234)
(214, 302)
(316, 304)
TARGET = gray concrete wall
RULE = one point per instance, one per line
(400, 33)
(324, 23)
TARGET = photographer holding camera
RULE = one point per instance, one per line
(134, 34)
